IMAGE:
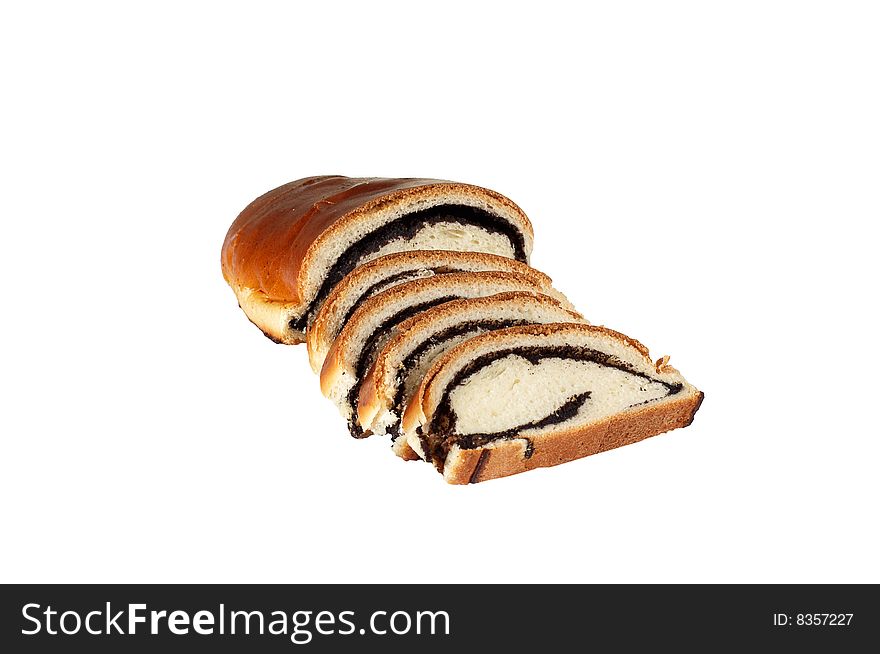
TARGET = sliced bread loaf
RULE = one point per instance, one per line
(379, 274)
(352, 353)
(515, 399)
(418, 341)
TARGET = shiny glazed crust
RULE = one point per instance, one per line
(271, 247)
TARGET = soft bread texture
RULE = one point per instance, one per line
(374, 321)
(390, 270)
(279, 251)
(390, 380)
(502, 394)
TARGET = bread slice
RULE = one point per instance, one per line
(351, 354)
(390, 270)
(418, 341)
(290, 247)
(515, 399)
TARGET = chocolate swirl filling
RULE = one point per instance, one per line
(441, 434)
(371, 347)
(470, 328)
(407, 226)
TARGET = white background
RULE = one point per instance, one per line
(701, 176)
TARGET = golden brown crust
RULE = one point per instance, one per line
(369, 402)
(272, 317)
(274, 238)
(504, 458)
(323, 329)
(413, 415)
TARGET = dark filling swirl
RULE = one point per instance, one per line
(441, 434)
(407, 226)
(470, 328)
(370, 349)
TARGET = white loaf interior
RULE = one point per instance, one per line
(522, 393)
(449, 236)
(383, 273)
(439, 236)
(512, 392)
(594, 339)
(319, 344)
(399, 371)
(376, 312)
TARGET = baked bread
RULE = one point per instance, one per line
(515, 399)
(290, 247)
(390, 270)
(372, 323)
(418, 341)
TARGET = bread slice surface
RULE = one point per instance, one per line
(352, 353)
(390, 270)
(515, 399)
(418, 341)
